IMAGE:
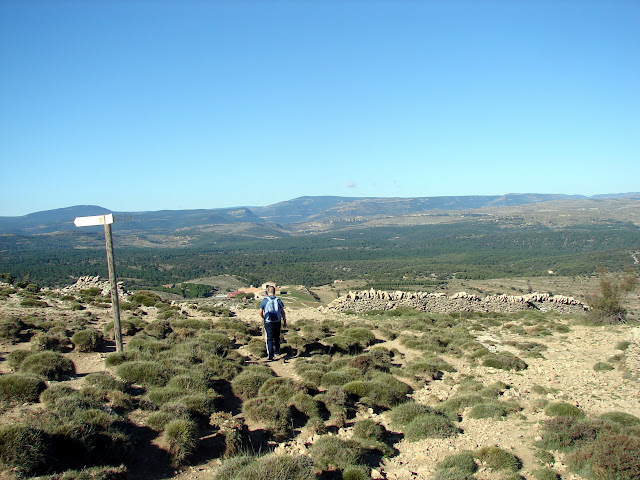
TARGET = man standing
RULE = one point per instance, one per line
(272, 312)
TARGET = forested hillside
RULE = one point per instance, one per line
(384, 256)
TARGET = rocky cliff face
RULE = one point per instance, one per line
(460, 302)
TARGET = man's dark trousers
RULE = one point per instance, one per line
(272, 338)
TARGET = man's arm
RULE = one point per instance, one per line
(283, 315)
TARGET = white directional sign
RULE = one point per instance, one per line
(95, 220)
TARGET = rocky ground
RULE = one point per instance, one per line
(563, 372)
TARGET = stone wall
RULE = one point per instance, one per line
(367, 300)
(84, 283)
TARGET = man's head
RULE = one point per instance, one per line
(271, 290)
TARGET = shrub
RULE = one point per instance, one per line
(335, 400)
(488, 410)
(193, 380)
(160, 328)
(361, 335)
(23, 449)
(273, 414)
(545, 474)
(384, 390)
(368, 429)
(341, 376)
(200, 404)
(190, 324)
(607, 306)
(333, 453)
(160, 396)
(232, 467)
(504, 361)
(54, 392)
(305, 404)
(278, 467)
(458, 466)
(181, 436)
(623, 345)
(621, 418)
(15, 358)
(566, 433)
(10, 328)
(15, 387)
(280, 387)
(423, 370)
(612, 457)
(498, 459)
(89, 340)
(403, 414)
(248, 382)
(356, 472)
(215, 343)
(558, 409)
(159, 420)
(458, 403)
(51, 340)
(49, 365)
(33, 302)
(104, 381)
(430, 425)
(127, 327)
(603, 367)
(146, 298)
(116, 358)
(145, 373)
(223, 367)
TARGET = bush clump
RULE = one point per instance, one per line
(504, 361)
(405, 413)
(430, 425)
(333, 453)
(181, 436)
(488, 410)
(609, 457)
(248, 382)
(562, 409)
(23, 449)
(88, 340)
(567, 433)
(269, 467)
(145, 373)
(15, 358)
(10, 328)
(54, 340)
(49, 365)
(270, 412)
(15, 387)
(460, 466)
(498, 459)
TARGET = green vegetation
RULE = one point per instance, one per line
(420, 256)
(607, 306)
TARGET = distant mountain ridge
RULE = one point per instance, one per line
(282, 214)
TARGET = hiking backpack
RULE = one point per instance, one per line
(272, 310)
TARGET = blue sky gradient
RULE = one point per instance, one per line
(141, 105)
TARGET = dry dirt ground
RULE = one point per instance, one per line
(565, 370)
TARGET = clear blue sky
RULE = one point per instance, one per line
(150, 105)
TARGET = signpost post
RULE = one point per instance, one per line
(107, 220)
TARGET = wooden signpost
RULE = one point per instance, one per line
(107, 220)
